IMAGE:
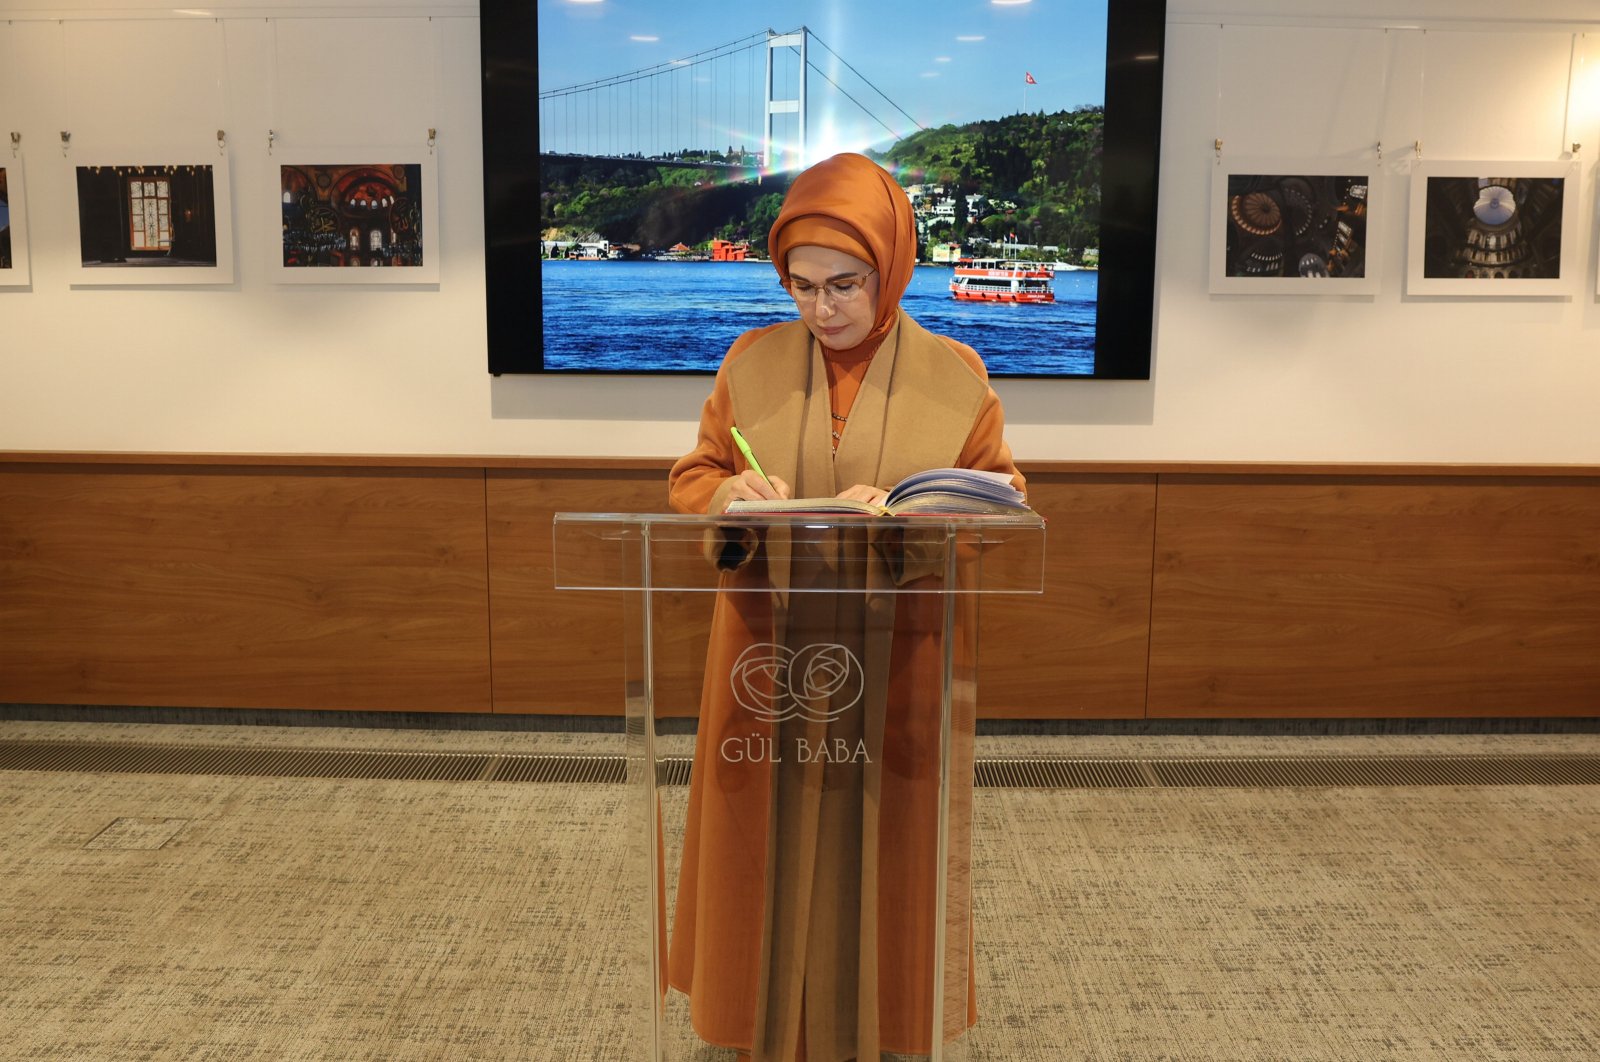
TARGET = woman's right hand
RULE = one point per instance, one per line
(749, 485)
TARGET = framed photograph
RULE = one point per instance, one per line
(14, 271)
(1294, 226)
(163, 221)
(1474, 233)
(368, 216)
(634, 164)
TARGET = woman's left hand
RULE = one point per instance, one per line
(863, 492)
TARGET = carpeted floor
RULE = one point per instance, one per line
(204, 918)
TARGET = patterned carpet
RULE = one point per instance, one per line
(183, 917)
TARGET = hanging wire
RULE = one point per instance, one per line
(221, 81)
(272, 90)
(1566, 117)
(1422, 78)
(66, 96)
(1383, 89)
(10, 86)
(1216, 122)
(434, 81)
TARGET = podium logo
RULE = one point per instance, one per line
(817, 683)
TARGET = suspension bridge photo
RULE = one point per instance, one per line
(666, 144)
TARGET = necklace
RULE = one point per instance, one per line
(836, 432)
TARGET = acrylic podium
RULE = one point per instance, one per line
(810, 889)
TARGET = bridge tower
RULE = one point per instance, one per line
(795, 106)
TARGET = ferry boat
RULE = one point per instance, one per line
(1002, 280)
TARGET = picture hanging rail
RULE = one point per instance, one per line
(1477, 234)
(147, 217)
(1285, 226)
(354, 216)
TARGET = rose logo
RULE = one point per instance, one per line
(817, 683)
(760, 681)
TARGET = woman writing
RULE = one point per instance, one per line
(804, 921)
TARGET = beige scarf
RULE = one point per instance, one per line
(915, 410)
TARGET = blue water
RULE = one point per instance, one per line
(683, 316)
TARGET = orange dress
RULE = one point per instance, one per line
(741, 925)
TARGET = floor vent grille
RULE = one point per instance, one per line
(992, 773)
(1287, 772)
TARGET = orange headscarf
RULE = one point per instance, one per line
(849, 203)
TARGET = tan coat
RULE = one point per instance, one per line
(804, 909)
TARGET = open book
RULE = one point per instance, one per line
(946, 491)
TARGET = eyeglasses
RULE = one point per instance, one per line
(839, 289)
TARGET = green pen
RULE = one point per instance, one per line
(750, 458)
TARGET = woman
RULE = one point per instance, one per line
(803, 926)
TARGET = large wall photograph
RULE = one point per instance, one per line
(1294, 227)
(15, 273)
(132, 216)
(367, 215)
(153, 223)
(356, 215)
(1297, 225)
(5, 221)
(1480, 235)
(1494, 228)
(657, 151)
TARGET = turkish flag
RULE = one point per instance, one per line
(1029, 78)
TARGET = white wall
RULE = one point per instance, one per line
(254, 367)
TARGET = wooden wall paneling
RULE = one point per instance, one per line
(243, 587)
(560, 651)
(1080, 650)
(1376, 596)
(263, 581)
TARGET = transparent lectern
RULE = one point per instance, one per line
(808, 894)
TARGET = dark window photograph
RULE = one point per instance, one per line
(139, 217)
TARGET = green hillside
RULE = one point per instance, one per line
(1048, 165)
(1038, 174)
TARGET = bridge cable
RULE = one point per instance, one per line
(747, 45)
(669, 67)
(870, 85)
(824, 75)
